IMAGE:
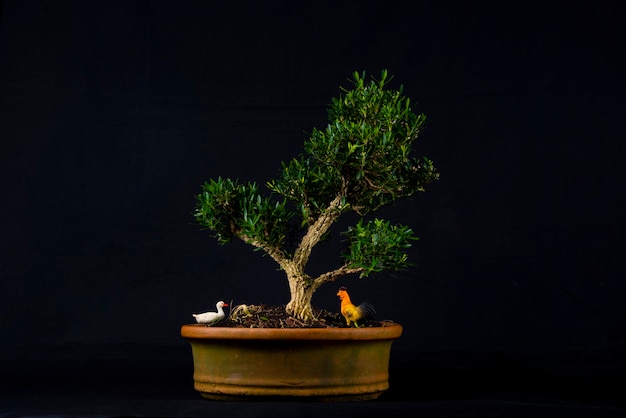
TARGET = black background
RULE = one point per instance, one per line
(114, 113)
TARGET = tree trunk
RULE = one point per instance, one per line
(301, 295)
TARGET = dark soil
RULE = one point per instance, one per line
(262, 316)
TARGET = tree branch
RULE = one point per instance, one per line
(331, 276)
(316, 231)
(276, 253)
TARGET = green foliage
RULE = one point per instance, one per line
(359, 162)
(311, 187)
(368, 143)
(377, 245)
(230, 208)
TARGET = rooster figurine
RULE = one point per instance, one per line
(210, 318)
(353, 313)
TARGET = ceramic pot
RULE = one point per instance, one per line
(314, 363)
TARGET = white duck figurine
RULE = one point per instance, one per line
(210, 318)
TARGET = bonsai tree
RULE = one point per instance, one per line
(362, 160)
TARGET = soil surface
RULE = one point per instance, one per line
(262, 316)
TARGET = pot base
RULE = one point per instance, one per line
(330, 364)
(336, 398)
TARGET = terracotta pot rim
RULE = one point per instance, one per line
(389, 330)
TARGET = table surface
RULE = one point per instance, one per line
(129, 380)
